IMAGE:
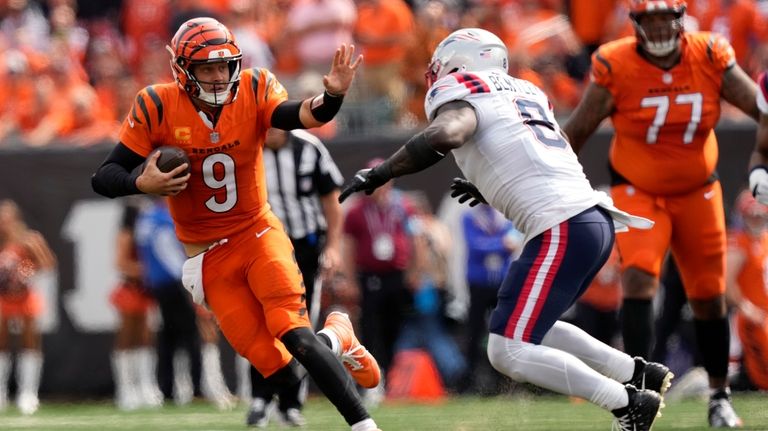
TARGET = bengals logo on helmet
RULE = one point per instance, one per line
(637, 7)
(199, 41)
(658, 39)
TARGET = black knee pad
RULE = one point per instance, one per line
(300, 342)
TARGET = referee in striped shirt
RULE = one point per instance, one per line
(303, 185)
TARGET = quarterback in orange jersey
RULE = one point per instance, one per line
(662, 90)
(748, 286)
(241, 261)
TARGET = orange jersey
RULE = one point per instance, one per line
(224, 193)
(664, 120)
(751, 278)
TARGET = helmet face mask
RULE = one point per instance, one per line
(467, 49)
(658, 24)
(202, 41)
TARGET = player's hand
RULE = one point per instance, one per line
(464, 190)
(366, 180)
(153, 181)
(330, 263)
(758, 184)
(343, 69)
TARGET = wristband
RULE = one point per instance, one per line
(325, 106)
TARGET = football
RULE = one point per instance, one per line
(170, 158)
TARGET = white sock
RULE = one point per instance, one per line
(30, 368)
(243, 373)
(183, 389)
(599, 356)
(5, 372)
(145, 362)
(213, 385)
(555, 370)
(365, 425)
(335, 343)
(126, 395)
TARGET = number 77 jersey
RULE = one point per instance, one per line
(226, 190)
(664, 140)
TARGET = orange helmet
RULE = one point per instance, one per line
(659, 40)
(200, 41)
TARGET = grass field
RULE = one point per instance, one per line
(541, 413)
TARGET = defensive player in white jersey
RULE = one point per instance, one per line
(505, 139)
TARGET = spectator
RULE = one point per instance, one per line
(377, 252)
(432, 25)
(317, 27)
(382, 31)
(256, 52)
(739, 21)
(424, 327)
(491, 242)
(24, 255)
(162, 257)
(145, 24)
(133, 356)
(24, 102)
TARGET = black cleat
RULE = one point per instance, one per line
(651, 375)
(643, 409)
(721, 413)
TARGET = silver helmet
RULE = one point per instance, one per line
(467, 49)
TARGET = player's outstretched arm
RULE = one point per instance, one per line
(740, 90)
(453, 126)
(595, 106)
(322, 108)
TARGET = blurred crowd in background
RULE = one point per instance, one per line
(69, 69)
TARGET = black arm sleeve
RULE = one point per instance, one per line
(286, 115)
(115, 177)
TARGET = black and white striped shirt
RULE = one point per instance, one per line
(298, 173)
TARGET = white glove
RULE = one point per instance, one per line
(758, 184)
(192, 278)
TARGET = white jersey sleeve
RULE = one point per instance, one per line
(447, 89)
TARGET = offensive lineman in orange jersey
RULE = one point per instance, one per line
(241, 261)
(662, 90)
(748, 286)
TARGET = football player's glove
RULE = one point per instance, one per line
(366, 180)
(758, 183)
(464, 190)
